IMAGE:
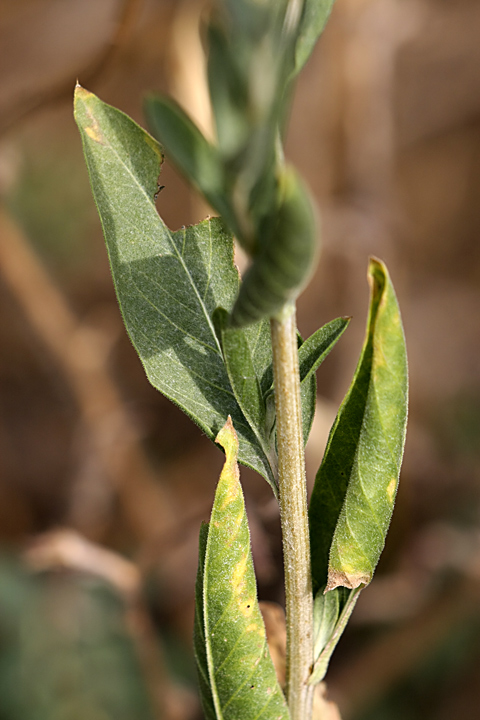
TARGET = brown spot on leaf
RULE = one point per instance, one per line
(348, 580)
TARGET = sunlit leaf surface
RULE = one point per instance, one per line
(355, 487)
(168, 284)
(237, 676)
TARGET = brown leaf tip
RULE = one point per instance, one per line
(348, 580)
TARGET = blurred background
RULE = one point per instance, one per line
(104, 483)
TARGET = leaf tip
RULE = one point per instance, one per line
(377, 275)
(227, 438)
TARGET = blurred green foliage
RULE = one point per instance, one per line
(66, 653)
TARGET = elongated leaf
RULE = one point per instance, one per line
(313, 351)
(199, 641)
(168, 284)
(238, 678)
(314, 18)
(354, 492)
(228, 91)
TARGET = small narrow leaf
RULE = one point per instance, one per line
(331, 613)
(238, 678)
(352, 500)
(326, 611)
(228, 92)
(313, 351)
(314, 18)
(168, 284)
(195, 157)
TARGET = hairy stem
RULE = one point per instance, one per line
(293, 510)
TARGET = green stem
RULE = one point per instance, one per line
(293, 512)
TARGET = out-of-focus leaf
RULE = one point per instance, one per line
(285, 259)
(66, 649)
(355, 488)
(237, 676)
(168, 283)
(228, 92)
(314, 18)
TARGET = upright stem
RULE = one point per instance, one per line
(293, 510)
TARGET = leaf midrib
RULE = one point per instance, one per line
(171, 241)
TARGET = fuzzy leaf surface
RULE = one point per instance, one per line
(354, 492)
(313, 351)
(168, 284)
(237, 676)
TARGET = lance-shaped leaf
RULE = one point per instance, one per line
(237, 676)
(313, 351)
(352, 500)
(168, 284)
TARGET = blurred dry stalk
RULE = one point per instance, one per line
(82, 353)
(128, 15)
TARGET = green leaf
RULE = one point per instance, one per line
(331, 613)
(195, 157)
(237, 676)
(168, 284)
(244, 379)
(311, 353)
(354, 492)
(285, 258)
(199, 642)
(314, 18)
(228, 92)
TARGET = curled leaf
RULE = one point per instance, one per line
(354, 493)
(285, 259)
